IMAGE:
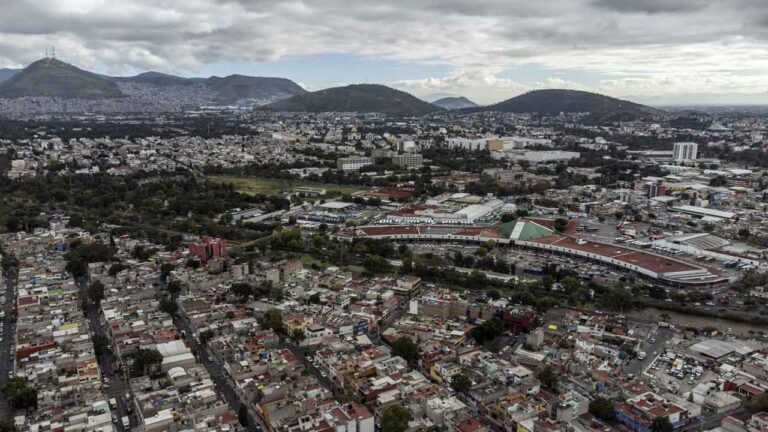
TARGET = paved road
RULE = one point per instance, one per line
(7, 337)
(115, 387)
(653, 342)
(217, 374)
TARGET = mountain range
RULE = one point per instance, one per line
(57, 86)
(54, 78)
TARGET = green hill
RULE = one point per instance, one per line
(356, 98)
(555, 101)
(158, 79)
(452, 103)
(234, 88)
(54, 78)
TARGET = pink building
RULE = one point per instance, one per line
(208, 248)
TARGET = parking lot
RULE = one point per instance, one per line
(677, 373)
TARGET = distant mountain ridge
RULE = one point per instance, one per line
(555, 101)
(7, 73)
(158, 79)
(458, 102)
(356, 98)
(56, 79)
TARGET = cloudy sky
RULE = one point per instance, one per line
(654, 51)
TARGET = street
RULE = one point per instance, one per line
(7, 336)
(653, 342)
(115, 388)
(7, 332)
(214, 369)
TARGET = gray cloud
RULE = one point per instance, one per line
(664, 44)
(650, 6)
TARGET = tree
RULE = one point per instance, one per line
(241, 290)
(548, 378)
(570, 284)
(406, 348)
(298, 335)
(560, 224)
(758, 403)
(407, 266)
(242, 415)
(661, 424)
(168, 306)
(494, 294)
(460, 382)
(395, 419)
(376, 264)
(744, 233)
(165, 270)
(142, 253)
(508, 217)
(20, 394)
(718, 181)
(603, 409)
(273, 319)
(174, 287)
(487, 331)
(96, 291)
(146, 360)
(116, 268)
(205, 336)
(100, 343)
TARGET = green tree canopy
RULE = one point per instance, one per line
(661, 424)
(406, 348)
(460, 382)
(602, 408)
(395, 419)
(20, 394)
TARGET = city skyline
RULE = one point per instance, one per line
(656, 52)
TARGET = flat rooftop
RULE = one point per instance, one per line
(654, 263)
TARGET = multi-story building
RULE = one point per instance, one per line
(353, 163)
(639, 412)
(685, 151)
(466, 143)
(408, 160)
(209, 248)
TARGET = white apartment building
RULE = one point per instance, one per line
(685, 151)
(353, 163)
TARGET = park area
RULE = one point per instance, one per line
(254, 185)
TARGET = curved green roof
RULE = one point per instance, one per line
(524, 230)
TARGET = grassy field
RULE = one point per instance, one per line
(308, 260)
(254, 185)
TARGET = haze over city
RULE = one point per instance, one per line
(650, 51)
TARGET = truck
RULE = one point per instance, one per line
(126, 422)
(641, 355)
